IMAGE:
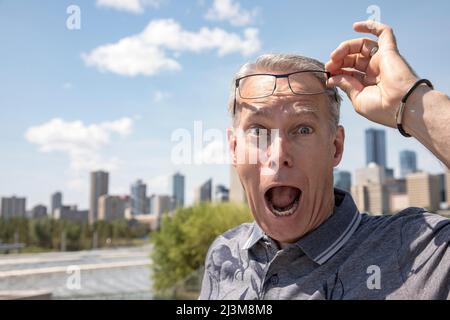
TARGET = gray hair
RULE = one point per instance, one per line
(286, 63)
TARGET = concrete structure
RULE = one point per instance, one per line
(372, 198)
(13, 207)
(342, 179)
(408, 162)
(99, 187)
(56, 202)
(373, 173)
(161, 204)
(237, 192)
(423, 190)
(71, 213)
(204, 192)
(111, 207)
(398, 202)
(138, 199)
(376, 147)
(39, 211)
(178, 189)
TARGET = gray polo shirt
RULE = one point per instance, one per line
(349, 256)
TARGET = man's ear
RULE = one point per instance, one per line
(232, 141)
(338, 145)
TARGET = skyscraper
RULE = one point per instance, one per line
(237, 192)
(204, 192)
(178, 189)
(342, 179)
(111, 207)
(56, 202)
(138, 199)
(376, 146)
(13, 207)
(408, 162)
(423, 190)
(99, 187)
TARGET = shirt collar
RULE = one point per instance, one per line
(323, 242)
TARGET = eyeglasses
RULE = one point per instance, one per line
(261, 85)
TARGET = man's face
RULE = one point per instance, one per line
(289, 187)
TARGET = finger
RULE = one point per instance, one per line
(362, 45)
(382, 31)
(356, 61)
(350, 85)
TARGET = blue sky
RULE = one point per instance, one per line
(70, 103)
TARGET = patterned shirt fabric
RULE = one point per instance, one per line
(351, 255)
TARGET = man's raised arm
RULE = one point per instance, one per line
(376, 78)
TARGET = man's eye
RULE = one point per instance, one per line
(304, 130)
(256, 131)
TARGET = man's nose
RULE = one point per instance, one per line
(280, 153)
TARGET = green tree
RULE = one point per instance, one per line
(181, 244)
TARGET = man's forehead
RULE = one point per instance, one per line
(292, 105)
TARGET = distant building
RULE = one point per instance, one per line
(138, 200)
(13, 207)
(442, 188)
(161, 204)
(373, 173)
(99, 187)
(178, 189)
(398, 202)
(56, 201)
(389, 173)
(222, 193)
(376, 147)
(342, 179)
(408, 162)
(423, 191)
(111, 207)
(204, 192)
(447, 187)
(39, 211)
(71, 213)
(372, 198)
(237, 192)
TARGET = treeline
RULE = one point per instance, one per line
(52, 234)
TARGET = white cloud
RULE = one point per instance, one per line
(82, 143)
(227, 10)
(159, 96)
(145, 53)
(134, 6)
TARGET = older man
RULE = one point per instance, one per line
(309, 241)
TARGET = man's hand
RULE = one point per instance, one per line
(374, 80)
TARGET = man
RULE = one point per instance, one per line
(308, 240)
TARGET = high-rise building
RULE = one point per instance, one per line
(138, 200)
(39, 211)
(178, 189)
(342, 179)
(204, 192)
(222, 193)
(423, 190)
(408, 162)
(99, 187)
(71, 213)
(376, 147)
(111, 207)
(372, 198)
(161, 204)
(373, 173)
(237, 192)
(13, 207)
(56, 201)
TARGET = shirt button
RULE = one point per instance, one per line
(274, 279)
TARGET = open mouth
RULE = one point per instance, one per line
(282, 201)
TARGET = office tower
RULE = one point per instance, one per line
(342, 179)
(237, 192)
(13, 207)
(408, 162)
(373, 173)
(38, 211)
(376, 147)
(222, 193)
(423, 190)
(71, 213)
(111, 207)
(161, 204)
(204, 192)
(178, 189)
(99, 187)
(56, 201)
(138, 200)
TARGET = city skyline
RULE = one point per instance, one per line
(66, 114)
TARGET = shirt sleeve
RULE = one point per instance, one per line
(424, 255)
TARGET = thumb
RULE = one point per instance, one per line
(350, 85)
